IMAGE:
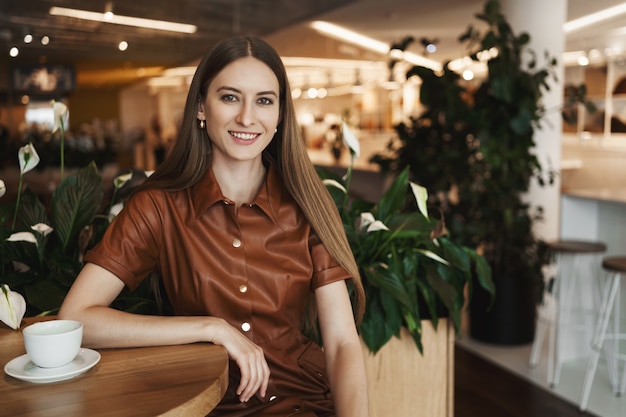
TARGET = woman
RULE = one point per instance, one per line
(248, 243)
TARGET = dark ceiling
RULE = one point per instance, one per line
(86, 44)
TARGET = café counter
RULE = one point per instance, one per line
(595, 214)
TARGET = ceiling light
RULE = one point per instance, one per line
(108, 11)
(123, 46)
(430, 45)
(13, 52)
(45, 40)
(583, 60)
(28, 38)
(350, 36)
(468, 75)
(371, 44)
(124, 20)
(592, 18)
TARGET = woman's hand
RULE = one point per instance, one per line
(255, 372)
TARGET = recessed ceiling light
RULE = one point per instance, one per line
(124, 20)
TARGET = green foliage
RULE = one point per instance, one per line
(411, 270)
(473, 148)
(43, 272)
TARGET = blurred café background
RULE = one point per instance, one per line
(123, 69)
(125, 84)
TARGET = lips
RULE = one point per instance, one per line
(243, 135)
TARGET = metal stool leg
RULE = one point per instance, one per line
(610, 291)
(543, 318)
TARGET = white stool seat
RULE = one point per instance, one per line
(608, 341)
(567, 302)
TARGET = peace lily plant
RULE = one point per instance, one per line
(410, 268)
(42, 246)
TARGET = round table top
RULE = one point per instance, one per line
(181, 380)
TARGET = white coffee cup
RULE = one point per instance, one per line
(53, 343)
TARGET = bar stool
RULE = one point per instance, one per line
(609, 343)
(567, 294)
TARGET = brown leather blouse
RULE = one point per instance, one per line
(256, 266)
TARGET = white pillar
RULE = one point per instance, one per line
(543, 21)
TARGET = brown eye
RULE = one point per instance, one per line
(228, 98)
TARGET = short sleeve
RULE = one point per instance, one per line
(130, 246)
(326, 269)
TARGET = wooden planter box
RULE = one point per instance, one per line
(403, 383)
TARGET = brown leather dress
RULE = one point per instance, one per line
(256, 266)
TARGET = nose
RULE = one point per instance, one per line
(246, 114)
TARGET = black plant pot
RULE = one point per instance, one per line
(511, 319)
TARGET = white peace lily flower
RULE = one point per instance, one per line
(376, 225)
(61, 116)
(22, 237)
(350, 140)
(28, 158)
(336, 184)
(115, 210)
(42, 228)
(3, 188)
(120, 180)
(365, 219)
(421, 197)
(12, 307)
(433, 255)
(368, 223)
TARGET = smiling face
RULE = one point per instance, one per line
(241, 110)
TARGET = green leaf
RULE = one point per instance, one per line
(392, 283)
(32, 211)
(75, 202)
(374, 330)
(483, 273)
(395, 198)
(45, 295)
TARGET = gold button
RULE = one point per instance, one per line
(245, 326)
(243, 288)
(236, 242)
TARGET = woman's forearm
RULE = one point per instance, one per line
(348, 380)
(104, 327)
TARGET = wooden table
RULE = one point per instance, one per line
(182, 380)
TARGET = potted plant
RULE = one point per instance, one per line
(473, 147)
(414, 277)
(411, 269)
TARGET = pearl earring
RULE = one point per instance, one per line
(200, 124)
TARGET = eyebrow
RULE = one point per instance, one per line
(260, 93)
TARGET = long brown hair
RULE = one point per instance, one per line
(191, 154)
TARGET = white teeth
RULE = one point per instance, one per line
(244, 136)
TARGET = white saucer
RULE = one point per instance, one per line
(22, 368)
